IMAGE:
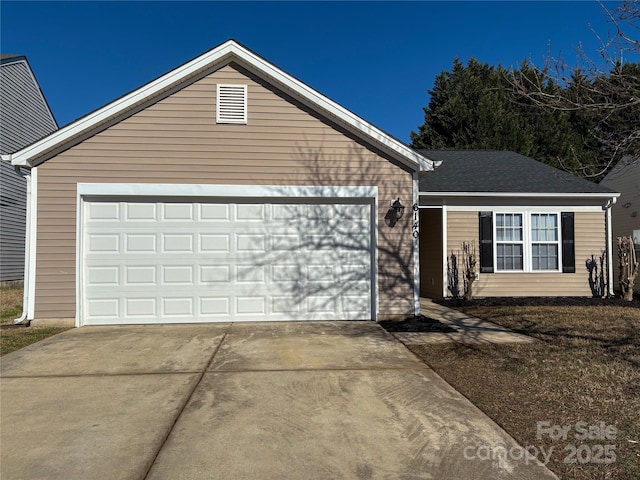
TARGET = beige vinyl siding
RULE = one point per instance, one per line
(431, 253)
(590, 239)
(625, 213)
(177, 141)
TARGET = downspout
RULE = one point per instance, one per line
(607, 209)
(22, 320)
(415, 232)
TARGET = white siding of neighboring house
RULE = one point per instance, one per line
(24, 118)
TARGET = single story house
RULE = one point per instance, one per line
(625, 178)
(25, 117)
(537, 230)
(227, 190)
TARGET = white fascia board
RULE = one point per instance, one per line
(5, 158)
(84, 124)
(520, 194)
(208, 60)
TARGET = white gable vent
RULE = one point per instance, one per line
(232, 104)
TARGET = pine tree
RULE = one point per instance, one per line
(475, 107)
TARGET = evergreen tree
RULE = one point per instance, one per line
(474, 107)
(601, 94)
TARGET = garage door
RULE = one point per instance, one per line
(165, 261)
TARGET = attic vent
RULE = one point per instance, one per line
(232, 104)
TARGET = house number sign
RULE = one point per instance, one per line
(416, 224)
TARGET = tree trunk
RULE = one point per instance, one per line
(470, 261)
(628, 266)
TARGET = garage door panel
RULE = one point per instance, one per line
(178, 211)
(104, 211)
(175, 261)
(140, 307)
(212, 274)
(177, 307)
(104, 307)
(103, 276)
(137, 212)
(178, 275)
(214, 243)
(215, 306)
(140, 243)
(140, 275)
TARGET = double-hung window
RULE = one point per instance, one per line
(544, 241)
(527, 242)
(509, 241)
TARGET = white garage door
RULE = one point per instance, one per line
(177, 262)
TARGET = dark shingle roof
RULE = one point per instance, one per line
(498, 172)
(10, 57)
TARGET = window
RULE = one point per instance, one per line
(509, 241)
(544, 241)
(527, 242)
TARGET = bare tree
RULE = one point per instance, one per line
(470, 261)
(604, 89)
(628, 266)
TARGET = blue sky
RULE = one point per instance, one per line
(378, 59)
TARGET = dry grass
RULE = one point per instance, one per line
(16, 338)
(586, 367)
(12, 339)
(10, 304)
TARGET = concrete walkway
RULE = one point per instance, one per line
(322, 400)
(469, 329)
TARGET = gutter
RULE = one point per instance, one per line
(606, 195)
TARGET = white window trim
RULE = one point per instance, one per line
(527, 243)
(558, 241)
(509, 242)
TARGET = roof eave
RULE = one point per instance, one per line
(522, 194)
(31, 154)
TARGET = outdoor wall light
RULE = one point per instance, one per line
(398, 208)
(394, 213)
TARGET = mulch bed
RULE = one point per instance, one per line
(416, 324)
(540, 302)
(13, 325)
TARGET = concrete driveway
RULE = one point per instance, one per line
(326, 400)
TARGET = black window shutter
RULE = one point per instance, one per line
(486, 242)
(568, 243)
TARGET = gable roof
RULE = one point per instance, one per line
(625, 166)
(487, 172)
(25, 115)
(230, 51)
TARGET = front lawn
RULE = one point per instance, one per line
(14, 338)
(585, 368)
(10, 304)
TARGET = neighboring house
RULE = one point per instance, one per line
(625, 178)
(227, 190)
(24, 118)
(535, 228)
